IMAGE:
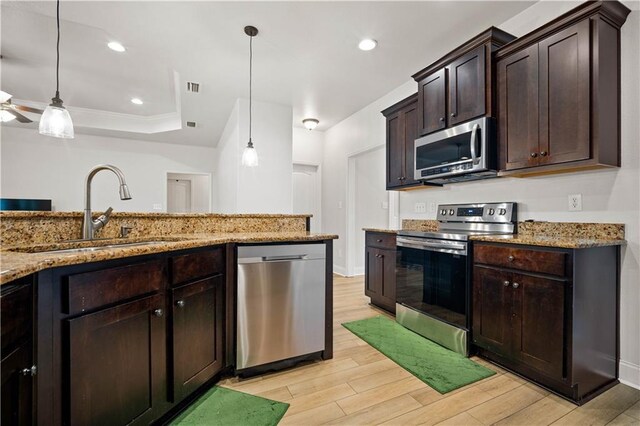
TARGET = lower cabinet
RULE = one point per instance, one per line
(197, 330)
(125, 341)
(380, 270)
(549, 314)
(117, 364)
(16, 319)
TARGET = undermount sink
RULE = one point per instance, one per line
(68, 247)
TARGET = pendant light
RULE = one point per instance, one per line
(250, 155)
(56, 120)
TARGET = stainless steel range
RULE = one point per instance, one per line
(433, 282)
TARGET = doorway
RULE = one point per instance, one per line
(307, 193)
(188, 193)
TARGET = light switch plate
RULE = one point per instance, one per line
(575, 202)
(432, 207)
(420, 208)
(385, 205)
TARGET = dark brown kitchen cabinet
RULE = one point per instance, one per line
(459, 86)
(402, 130)
(559, 93)
(534, 313)
(197, 329)
(17, 363)
(117, 364)
(380, 270)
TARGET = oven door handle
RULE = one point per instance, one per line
(424, 245)
(472, 144)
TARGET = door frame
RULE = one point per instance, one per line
(319, 190)
(350, 219)
(172, 172)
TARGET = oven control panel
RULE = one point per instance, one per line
(478, 212)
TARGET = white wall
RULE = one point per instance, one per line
(608, 196)
(262, 189)
(308, 146)
(35, 166)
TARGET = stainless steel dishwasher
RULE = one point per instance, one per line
(281, 302)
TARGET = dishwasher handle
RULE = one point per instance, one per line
(283, 258)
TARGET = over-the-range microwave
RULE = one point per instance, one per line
(458, 154)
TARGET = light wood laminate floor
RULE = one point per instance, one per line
(361, 386)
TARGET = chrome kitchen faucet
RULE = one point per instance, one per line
(90, 226)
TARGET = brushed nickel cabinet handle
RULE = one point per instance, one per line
(534, 154)
(506, 283)
(442, 119)
(158, 312)
(31, 371)
(180, 303)
(543, 153)
(515, 285)
(511, 258)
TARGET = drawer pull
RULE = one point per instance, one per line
(158, 312)
(511, 258)
(379, 241)
(506, 283)
(515, 285)
(180, 303)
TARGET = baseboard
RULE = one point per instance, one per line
(339, 270)
(630, 374)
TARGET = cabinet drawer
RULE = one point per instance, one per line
(544, 262)
(197, 265)
(92, 290)
(381, 240)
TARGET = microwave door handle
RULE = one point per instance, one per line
(472, 144)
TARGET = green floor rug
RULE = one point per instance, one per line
(440, 368)
(226, 407)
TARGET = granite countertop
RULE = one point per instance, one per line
(550, 241)
(19, 261)
(384, 231)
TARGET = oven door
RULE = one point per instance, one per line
(432, 278)
(460, 150)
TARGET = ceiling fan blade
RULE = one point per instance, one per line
(27, 109)
(4, 96)
(21, 118)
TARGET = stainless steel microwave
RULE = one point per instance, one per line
(458, 154)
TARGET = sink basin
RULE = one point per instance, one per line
(83, 246)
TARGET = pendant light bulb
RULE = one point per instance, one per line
(56, 120)
(250, 155)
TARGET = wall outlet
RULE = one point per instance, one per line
(575, 202)
(339, 204)
(385, 205)
(432, 207)
(157, 206)
(420, 208)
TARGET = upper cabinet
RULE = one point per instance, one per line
(402, 130)
(458, 87)
(559, 93)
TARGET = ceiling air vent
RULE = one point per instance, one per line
(191, 124)
(193, 87)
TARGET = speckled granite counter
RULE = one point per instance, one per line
(545, 234)
(19, 261)
(384, 231)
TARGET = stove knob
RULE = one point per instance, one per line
(491, 212)
(443, 212)
(451, 212)
(502, 212)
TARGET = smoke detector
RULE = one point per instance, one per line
(193, 87)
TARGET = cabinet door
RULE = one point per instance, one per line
(395, 150)
(410, 135)
(518, 109)
(198, 320)
(372, 276)
(387, 270)
(116, 364)
(492, 310)
(17, 388)
(564, 95)
(539, 312)
(432, 102)
(467, 86)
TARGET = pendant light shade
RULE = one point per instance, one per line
(55, 120)
(250, 155)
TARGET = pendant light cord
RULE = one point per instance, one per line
(58, 51)
(250, 82)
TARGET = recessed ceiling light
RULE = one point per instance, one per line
(136, 101)
(367, 44)
(310, 123)
(114, 45)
